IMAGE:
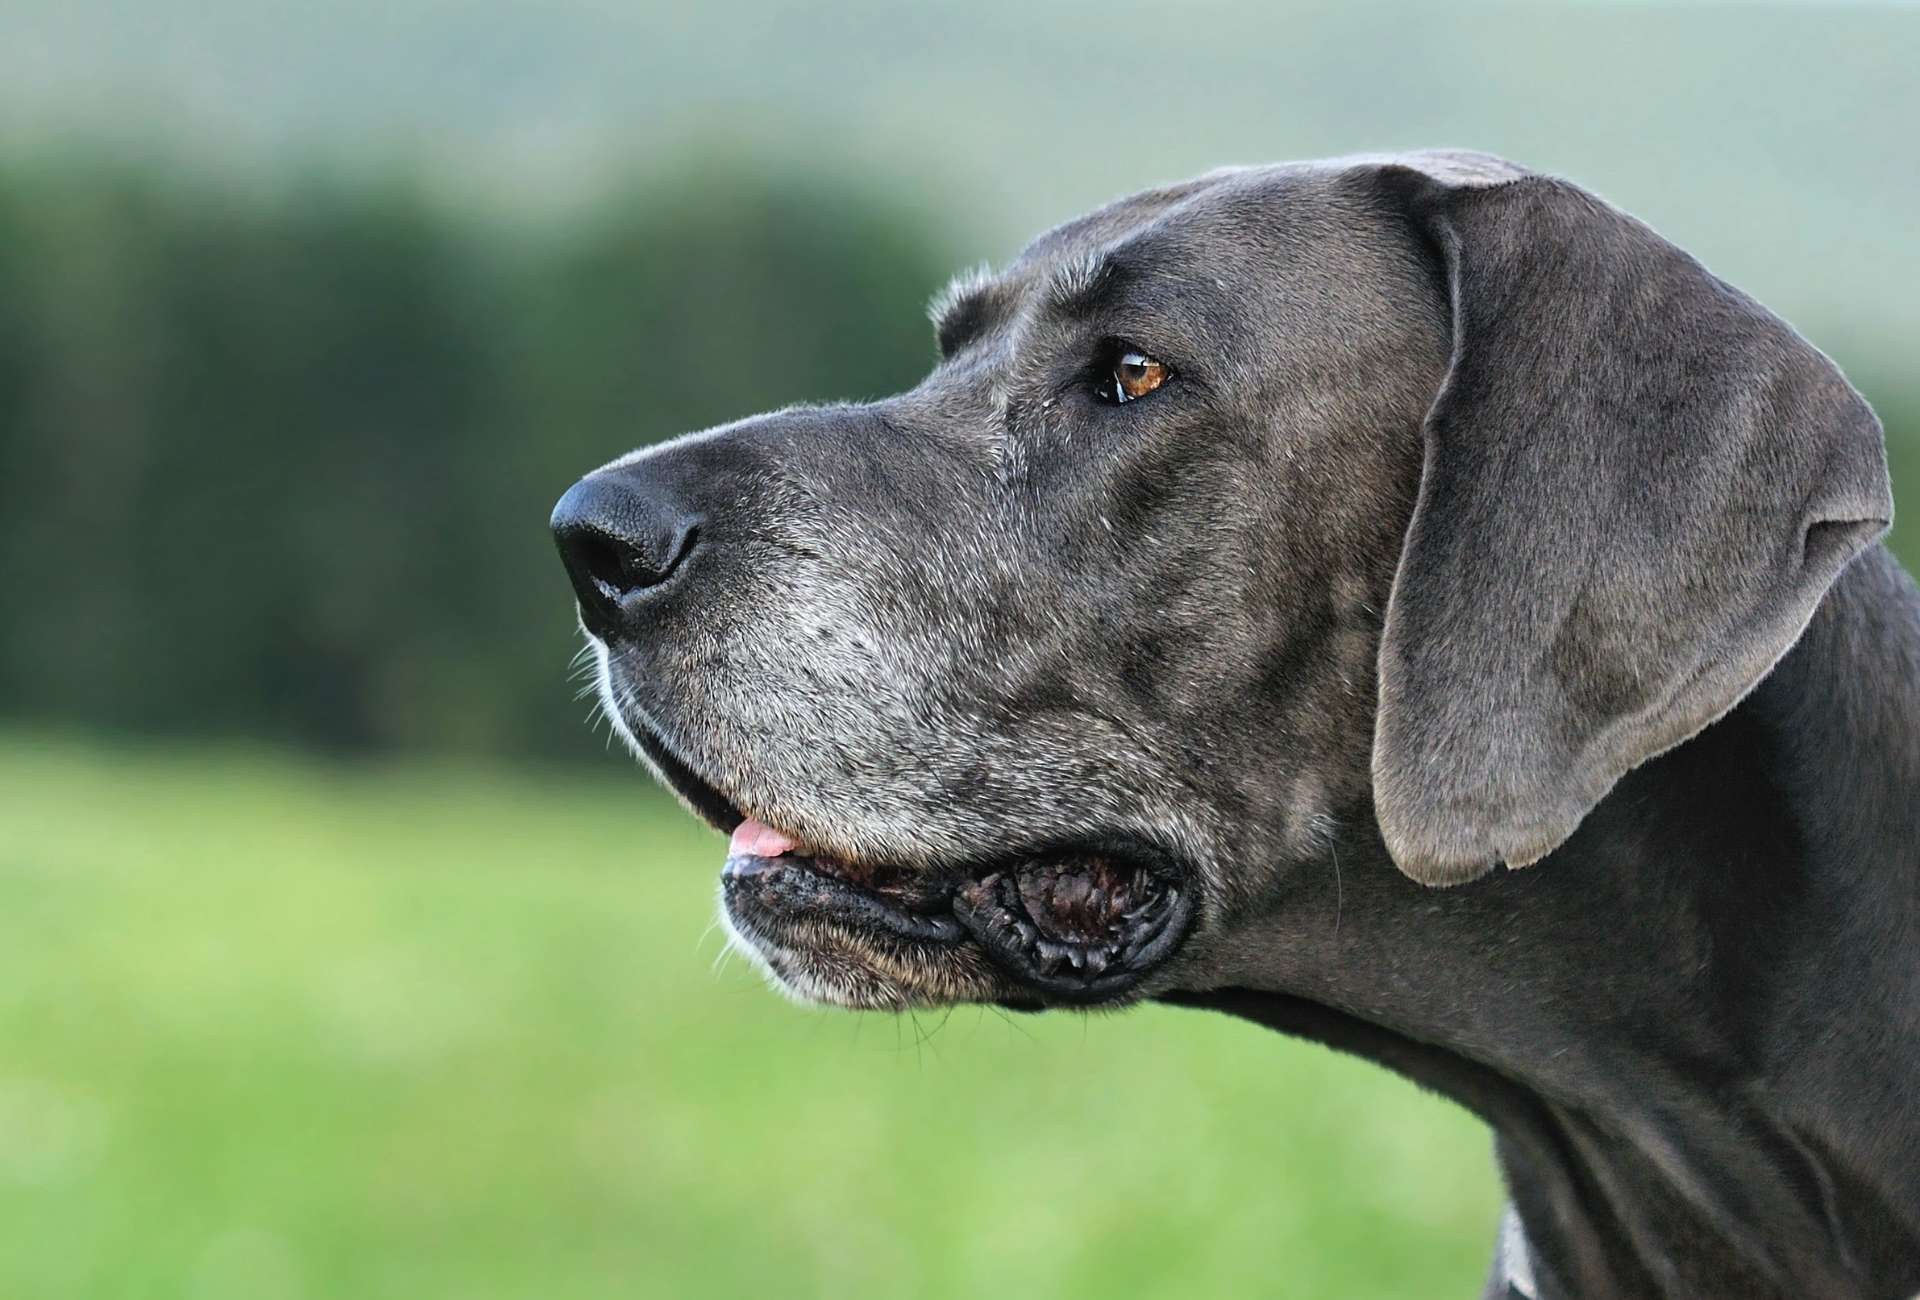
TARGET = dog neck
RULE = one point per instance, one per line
(1693, 1027)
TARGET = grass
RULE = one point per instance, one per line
(273, 1029)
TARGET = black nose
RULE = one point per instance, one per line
(621, 535)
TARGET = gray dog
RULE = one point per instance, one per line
(1267, 550)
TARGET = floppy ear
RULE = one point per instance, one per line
(1638, 484)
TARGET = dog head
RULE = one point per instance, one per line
(1419, 498)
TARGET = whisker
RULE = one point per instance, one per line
(1009, 1021)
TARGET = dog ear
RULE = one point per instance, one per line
(1637, 486)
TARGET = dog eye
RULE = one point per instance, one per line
(1134, 375)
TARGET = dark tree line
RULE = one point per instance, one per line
(281, 466)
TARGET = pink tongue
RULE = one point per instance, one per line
(754, 839)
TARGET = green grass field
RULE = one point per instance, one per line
(274, 1029)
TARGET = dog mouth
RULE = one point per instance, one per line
(1079, 921)
(1076, 923)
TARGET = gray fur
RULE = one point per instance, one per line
(1478, 527)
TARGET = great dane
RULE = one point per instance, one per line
(1402, 601)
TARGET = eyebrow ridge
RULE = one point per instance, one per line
(1075, 287)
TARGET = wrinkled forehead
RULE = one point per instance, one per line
(1224, 232)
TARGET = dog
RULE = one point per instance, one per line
(1402, 601)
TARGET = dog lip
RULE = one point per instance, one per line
(713, 806)
(997, 910)
(742, 865)
(807, 888)
(1071, 924)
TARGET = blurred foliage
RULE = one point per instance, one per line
(282, 465)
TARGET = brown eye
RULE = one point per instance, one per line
(1135, 374)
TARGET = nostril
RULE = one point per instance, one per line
(619, 567)
(620, 536)
(609, 565)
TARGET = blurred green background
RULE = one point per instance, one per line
(340, 957)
